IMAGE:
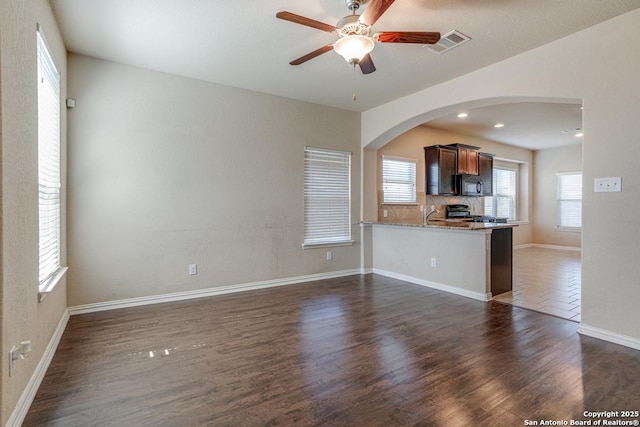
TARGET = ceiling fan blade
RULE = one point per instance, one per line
(366, 65)
(374, 11)
(421, 37)
(297, 19)
(311, 55)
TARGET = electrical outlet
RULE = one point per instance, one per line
(329, 255)
(384, 213)
(193, 269)
(17, 353)
(433, 262)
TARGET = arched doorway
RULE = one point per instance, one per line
(536, 164)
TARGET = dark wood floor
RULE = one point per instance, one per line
(357, 351)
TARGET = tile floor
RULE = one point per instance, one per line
(546, 280)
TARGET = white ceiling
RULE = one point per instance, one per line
(531, 125)
(243, 44)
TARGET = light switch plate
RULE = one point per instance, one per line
(608, 185)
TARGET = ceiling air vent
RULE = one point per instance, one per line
(447, 42)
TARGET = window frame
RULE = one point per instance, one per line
(410, 184)
(49, 96)
(317, 233)
(492, 199)
(560, 201)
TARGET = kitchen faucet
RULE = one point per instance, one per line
(428, 214)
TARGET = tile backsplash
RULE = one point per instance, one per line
(411, 214)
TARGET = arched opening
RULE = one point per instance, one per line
(535, 166)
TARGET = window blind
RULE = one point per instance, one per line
(503, 202)
(48, 161)
(398, 180)
(570, 200)
(327, 196)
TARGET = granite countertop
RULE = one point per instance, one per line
(452, 225)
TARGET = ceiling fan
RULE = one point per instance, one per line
(355, 42)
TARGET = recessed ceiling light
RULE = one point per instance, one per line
(579, 134)
(463, 115)
(498, 125)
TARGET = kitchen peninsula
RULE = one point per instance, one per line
(473, 259)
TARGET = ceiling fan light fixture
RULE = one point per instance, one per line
(353, 47)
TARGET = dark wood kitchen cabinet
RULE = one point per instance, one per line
(501, 261)
(440, 169)
(485, 170)
(467, 158)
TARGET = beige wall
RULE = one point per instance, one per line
(410, 145)
(598, 66)
(22, 316)
(547, 163)
(370, 170)
(406, 253)
(166, 171)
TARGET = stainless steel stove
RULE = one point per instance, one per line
(463, 212)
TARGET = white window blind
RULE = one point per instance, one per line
(570, 200)
(48, 162)
(327, 196)
(503, 202)
(398, 180)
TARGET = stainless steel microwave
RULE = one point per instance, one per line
(469, 185)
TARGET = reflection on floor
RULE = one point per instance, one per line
(362, 350)
(546, 280)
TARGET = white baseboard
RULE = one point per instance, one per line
(439, 286)
(605, 335)
(24, 402)
(556, 247)
(526, 245)
(201, 293)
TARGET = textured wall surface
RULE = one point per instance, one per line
(409, 250)
(166, 171)
(547, 164)
(23, 317)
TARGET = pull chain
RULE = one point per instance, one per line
(354, 96)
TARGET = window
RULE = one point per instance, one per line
(570, 201)
(48, 165)
(327, 197)
(398, 180)
(503, 202)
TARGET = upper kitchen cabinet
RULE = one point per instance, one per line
(467, 158)
(485, 170)
(441, 163)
